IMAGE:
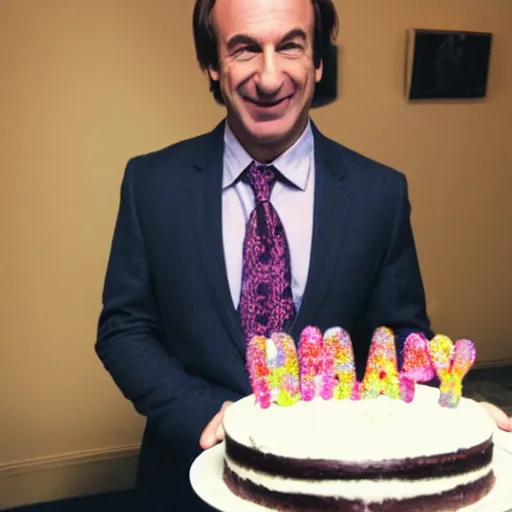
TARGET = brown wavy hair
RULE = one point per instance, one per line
(325, 33)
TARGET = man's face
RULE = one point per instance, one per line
(266, 70)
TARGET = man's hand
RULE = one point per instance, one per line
(503, 421)
(213, 432)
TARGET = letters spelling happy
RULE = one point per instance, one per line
(324, 366)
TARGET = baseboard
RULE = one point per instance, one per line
(67, 476)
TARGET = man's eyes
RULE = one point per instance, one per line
(290, 47)
(247, 51)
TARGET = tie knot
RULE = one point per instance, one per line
(261, 178)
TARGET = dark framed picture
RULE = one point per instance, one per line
(447, 64)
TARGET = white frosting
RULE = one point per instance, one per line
(370, 491)
(356, 431)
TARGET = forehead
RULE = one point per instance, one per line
(261, 19)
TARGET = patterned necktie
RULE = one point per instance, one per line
(266, 301)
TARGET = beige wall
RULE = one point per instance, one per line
(85, 84)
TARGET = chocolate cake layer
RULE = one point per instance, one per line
(463, 461)
(459, 497)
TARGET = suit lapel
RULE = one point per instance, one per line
(329, 223)
(206, 198)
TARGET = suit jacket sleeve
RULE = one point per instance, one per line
(177, 405)
(398, 300)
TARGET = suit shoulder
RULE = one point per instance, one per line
(175, 155)
(360, 166)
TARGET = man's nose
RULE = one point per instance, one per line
(269, 78)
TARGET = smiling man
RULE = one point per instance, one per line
(266, 70)
(261, 225)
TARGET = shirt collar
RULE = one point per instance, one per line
(294, 164)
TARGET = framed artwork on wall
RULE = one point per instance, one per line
(444, 64)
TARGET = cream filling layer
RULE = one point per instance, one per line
(370, 491)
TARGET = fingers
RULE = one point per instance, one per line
(503, 422)
(214, 432)
(209, 435)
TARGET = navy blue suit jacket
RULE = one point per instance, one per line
(168, 332)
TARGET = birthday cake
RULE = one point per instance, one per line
(311, 437)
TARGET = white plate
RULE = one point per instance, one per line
(503, 440)
(207, 482)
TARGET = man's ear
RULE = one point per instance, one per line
(214, 74)
(319, 71)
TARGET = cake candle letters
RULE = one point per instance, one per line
(381, 375)
(324, 365)
(416, 366)
(258, 370)
(451, 364)
(310, 362)
(284, 369)
(338, 372)
(273, 370)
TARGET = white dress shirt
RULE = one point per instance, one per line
(293, 203)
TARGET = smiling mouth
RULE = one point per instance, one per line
(268, 104)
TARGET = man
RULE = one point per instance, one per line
(212, 246)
